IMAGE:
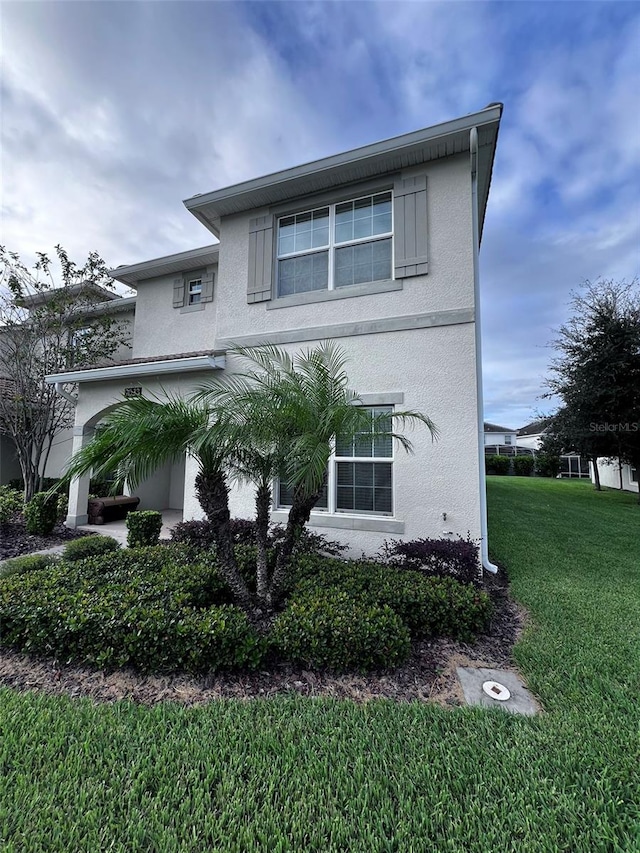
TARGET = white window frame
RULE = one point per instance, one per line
(189, 293)
(633, 474)
(332, 244)
(332, 481)
(508, 441)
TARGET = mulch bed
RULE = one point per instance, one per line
(15, 541)
(429, 674)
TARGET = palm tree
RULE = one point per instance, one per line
(290, 411)
(140, 435)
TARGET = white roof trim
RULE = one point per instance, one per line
(146, 368)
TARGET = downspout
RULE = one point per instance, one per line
(484, 538)
(65, 394)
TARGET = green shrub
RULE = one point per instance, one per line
(341, 632)
(143, 528)
(547, 464)
(497, 464)
(89, 546)
(523, 466)
(62, 508)
(429, 606)
(141, 608)
(10, 503)
(26, 563)
(41, 514)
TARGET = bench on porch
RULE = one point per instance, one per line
(102, 510)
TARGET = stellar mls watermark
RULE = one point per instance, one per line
(629, 426)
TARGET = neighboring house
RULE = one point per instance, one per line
(499, 439)
(531, 435)
(107, 302)
(616, 475)
(530, 438)
(376, 248)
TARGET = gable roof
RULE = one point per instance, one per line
(495, 428)
(535, 427)
(388, 156)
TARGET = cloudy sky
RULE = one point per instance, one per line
(113, 112)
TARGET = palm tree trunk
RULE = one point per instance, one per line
(263, 505)
(299, 515)
(213, 495)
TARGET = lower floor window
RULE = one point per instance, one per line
(360, 472)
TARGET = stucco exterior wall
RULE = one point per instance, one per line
(161, 329)
(434, 369)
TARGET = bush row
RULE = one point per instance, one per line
(158, 610)
(141, 608)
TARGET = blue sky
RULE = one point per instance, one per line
(112, 113)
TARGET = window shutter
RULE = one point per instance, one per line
(178, 292)
(410, 226)
(207, 287)
(260, 259)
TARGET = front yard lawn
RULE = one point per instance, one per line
(295, 774)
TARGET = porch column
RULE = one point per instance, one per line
(79, 486)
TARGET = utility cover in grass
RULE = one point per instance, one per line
(520, 701)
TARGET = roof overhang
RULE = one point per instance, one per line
(388, 156)
(140, 369)
(180, 262)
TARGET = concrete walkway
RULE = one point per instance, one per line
(117, 530)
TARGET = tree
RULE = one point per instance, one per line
(47, 329)
(291, 409)
(597, 374)
(140, 435)
(278, 418)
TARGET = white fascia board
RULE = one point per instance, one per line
(147, 368)
(489, 114)
(191, 259)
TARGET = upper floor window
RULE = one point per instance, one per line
(194, 291)
(335, 246)
(507, 439)
(633, 474)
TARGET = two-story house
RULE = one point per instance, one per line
(499, 439)
(375, 248)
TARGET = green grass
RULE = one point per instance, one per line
(300, 775)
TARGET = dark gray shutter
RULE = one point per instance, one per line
(410, 226)
(260, 259)
(207, 287)
(178, 292)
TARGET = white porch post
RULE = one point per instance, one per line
(79, 486)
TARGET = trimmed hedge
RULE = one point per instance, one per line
(143, 528)
(341, 632)
(140, 608)
(428, 606)
(497, 464)
(41, 514)
(523, 466)
(89, 546)
(27, 563)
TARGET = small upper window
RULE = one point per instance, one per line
(634, 475)
(507, 439)
(194, 291)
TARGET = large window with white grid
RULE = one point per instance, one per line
(335, 246)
